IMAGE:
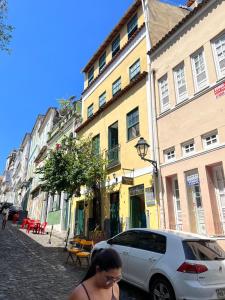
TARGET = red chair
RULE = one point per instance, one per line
(24, 222)
(30, 225)
(42, 228)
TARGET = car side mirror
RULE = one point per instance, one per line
(110, 241)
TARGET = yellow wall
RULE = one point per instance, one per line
(117, 112)
(123, 41)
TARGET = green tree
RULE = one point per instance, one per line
(5, 29)
(72, 165)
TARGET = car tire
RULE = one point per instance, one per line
(160, 289)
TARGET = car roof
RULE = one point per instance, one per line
(176, 234)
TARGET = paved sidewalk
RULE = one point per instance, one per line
(33, 269)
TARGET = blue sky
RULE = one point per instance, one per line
(52, 42)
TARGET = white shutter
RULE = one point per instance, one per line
(199, 70)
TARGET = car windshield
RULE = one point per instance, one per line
(203, 250)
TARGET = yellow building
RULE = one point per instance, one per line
(116, 111)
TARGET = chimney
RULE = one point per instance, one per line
(193, 3)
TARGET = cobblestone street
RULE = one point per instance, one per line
(33, 269)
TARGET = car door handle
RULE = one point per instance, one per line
(125, 253)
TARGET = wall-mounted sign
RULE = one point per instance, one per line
(220, 90)
(150, 196)
(192, 179)
(127, 180)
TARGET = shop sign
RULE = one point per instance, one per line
(192, 179)
(127, 180)
(220, 90)
(136, 190)
(149, 197)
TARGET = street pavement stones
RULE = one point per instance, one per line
(31, 268)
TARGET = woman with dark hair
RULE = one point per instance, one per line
(101, 279)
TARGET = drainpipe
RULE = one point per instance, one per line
(152, 118)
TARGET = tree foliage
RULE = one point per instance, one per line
(5, 29)
(73, 165)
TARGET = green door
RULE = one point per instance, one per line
(114, 214)
(137, 207)
(80, 219)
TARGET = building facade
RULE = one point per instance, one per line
(60, 212)
(116, 111)
(189, 88)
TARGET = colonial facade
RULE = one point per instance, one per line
(189, 88)
(20, 171)
(7, 193)
(60, 212)
(116, 111)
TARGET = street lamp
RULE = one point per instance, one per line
(142, 149)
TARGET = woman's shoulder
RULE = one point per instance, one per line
(78, 293)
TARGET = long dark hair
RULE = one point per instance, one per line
(105, 259)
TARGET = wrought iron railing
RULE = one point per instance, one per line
(113, 156)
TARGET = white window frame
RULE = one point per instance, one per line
(220, 73)
(206, 83)
(210, 135)
(183, 96)
(172, 157)
(188, 143)
(161, 83)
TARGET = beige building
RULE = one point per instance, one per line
(189, 87)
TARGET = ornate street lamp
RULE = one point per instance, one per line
(142, 149)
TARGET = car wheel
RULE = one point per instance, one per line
(161, 289)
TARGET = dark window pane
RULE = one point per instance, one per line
(151, 242)
(126, 239)
(115, 45)
(132, 26)
(203, 250)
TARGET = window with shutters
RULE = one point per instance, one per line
(199, 70)
(116, 86)
(90, 110)
(102, 99)
(164, 93)
(90, 75)
(132, 26)
(133, 124)
(135, 69)
(116, 46)
(219, 55)
(102, 62)
(96, 145)
(180, 83)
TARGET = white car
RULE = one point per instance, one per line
(170, 264)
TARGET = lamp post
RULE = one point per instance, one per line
(142, 149)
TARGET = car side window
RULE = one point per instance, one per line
(151, 242)
(125, 239)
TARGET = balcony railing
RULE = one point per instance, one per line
(113, 156)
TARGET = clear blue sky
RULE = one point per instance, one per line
(52, 41)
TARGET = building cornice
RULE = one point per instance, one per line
(113, 34)
(115, 57)
(179, 26)
(113, 100)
